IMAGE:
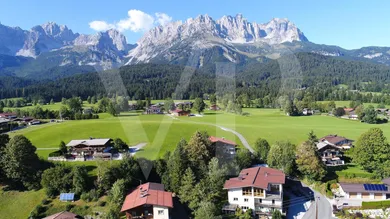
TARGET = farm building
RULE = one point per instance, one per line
(89, 147)
(153, 109)
(148, 200)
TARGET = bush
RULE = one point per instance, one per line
(68, 207)
(101, 203)
(45, 202)
(55, 154)
(92, 195)
(86, 197)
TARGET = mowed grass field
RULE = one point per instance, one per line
(160, 132)
(14, 204)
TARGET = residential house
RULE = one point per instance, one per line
(307, 111)
(184, 105)
(382, 111)
(256, 188)
(148, 201)
(364, 192)
(214, 107)
(336, 140)
(64, 215)
(89, 148)
(350, 113)
(34, 122)
(330, 154)
(223, 148)
(179, 112)
(153, 109)
(8, 115)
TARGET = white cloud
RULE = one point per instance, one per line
(100, 25)
(136, 21)
(162, 18)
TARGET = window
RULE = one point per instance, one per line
(258, 192)
(247, 191)
(160, 212)
(235, 199)
(246, 200)
(260, 200)
(244, 208)
(273, 202)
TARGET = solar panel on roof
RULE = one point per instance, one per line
(375, 187)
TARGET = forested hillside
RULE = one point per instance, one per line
(272, 78)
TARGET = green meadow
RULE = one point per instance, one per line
(161, 133)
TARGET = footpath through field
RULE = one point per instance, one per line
(239, 135)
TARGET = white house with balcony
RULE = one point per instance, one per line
(256, 188)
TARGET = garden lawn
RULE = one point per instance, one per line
(14, 204)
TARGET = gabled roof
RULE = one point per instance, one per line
(150, 194)
(355, 187)
(333, 139)
(258, 177)
(386, 181)
(321, 145)
(63, 215)
(97, 141)
(214, 139)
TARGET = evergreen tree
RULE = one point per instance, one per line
(89, 100)
(188, 183)
(20, 162)
(197, 150)
(62, 148)
(176, 165)
(199, 105)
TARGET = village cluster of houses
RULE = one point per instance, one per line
(8, 118)
(181, 108)
(259, 188)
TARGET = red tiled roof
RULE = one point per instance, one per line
(154, 194)
(348, 109)
(258, 177)
(334, 139)
(214, 139)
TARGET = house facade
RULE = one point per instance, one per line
(256, 188)
(153, 109)
(364, 192)
(89, 148)
(179, 112)
(223, 148)
(148, 201)
(331, 155)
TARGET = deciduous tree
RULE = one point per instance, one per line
(261, 148)
(282, 156)
(309, 162)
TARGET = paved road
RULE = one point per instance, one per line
(324, 208)
(239, 135)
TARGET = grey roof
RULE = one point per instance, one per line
(386, 181)
(63, 215)
(97, 141)
(4, 120)
(323, 144)
(354, 187)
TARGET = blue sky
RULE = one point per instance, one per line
(347, 23)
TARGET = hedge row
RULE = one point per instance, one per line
(376, 204)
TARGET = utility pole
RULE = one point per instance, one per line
(317, 207)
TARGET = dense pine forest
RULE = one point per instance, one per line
(326, 78)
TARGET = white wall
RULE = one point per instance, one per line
(237, 193)
(165, 215)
